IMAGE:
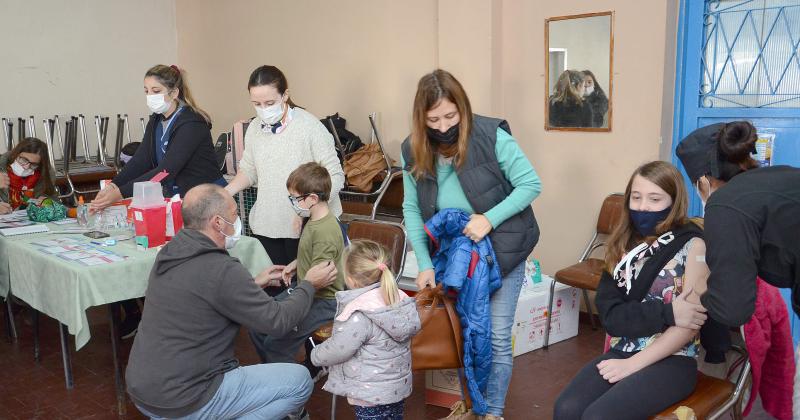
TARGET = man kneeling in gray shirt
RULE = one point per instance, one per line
(182, 363)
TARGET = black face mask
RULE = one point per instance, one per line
(448, 137)
(645, 222)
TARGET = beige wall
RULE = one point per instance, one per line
(356, 57)
(84, 57)
(587, 43)
(577, 169)
(350, 56)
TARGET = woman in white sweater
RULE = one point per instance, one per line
(281, 138)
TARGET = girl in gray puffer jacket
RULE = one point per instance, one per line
(369, 353)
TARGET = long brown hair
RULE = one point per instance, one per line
(270, 76)
(431, 89)
(37, 147)
(174, 78)
(567, 87)
(625, 237)
(367, 262)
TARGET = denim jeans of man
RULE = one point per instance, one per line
(503, 305)
(266, 391)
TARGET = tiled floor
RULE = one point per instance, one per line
(30, 390)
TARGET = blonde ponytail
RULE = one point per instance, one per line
(365, 263)
(388, 286)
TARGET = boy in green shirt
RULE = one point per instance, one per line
(321, 240)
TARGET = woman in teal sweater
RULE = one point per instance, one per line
(456, 159)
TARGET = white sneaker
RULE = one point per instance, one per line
(303, 415)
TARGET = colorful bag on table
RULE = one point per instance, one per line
(48, 211)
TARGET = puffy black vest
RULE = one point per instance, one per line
(485, 186)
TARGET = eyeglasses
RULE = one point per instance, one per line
(25, 162)
(295, 200)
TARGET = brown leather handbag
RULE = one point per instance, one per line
(438, 343)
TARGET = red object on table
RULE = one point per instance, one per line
(150, 224)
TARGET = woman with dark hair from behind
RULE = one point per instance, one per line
(25, 174)
(177, 140)
(567, 107)
(596, 98)
(752, 221)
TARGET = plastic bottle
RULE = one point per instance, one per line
(537, 275)
(82, 214)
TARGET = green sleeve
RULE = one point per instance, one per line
(412, 215)
(520, 173)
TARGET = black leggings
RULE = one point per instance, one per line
(281, 251)
(643, 394)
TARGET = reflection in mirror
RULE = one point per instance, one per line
(579, 67)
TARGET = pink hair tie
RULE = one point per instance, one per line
(382, 266)
(176, 68)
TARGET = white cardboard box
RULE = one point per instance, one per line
(527, 334)
(442, 387)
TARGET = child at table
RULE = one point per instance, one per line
(309, 188)
(25, 174)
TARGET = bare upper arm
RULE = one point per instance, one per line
(696, 273)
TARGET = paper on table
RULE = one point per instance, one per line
(74, 255)
(93, 261)
(65, 221)
(55, 250)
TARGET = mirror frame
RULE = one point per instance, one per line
(547, 21)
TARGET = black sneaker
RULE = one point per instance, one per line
(129, 327)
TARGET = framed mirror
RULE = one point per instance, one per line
(578, 61)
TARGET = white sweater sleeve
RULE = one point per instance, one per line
(247, 163)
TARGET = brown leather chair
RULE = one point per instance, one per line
(586, 273)
(389, 234)
(713, 397)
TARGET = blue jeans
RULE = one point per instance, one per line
(503, 305)
(270, 391)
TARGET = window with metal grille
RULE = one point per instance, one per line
(750, 54)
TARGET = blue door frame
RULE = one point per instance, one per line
(689, 114)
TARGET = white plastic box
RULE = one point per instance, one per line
(530, 320)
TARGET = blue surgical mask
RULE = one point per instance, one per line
(645, 222)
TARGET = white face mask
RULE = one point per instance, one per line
(697, 190)
(270, 114)
(230, 241)
(158, 103)
(588, 91)
(20, 171)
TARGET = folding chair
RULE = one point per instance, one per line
(712, 397)
(586, 273)
(360, 205)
